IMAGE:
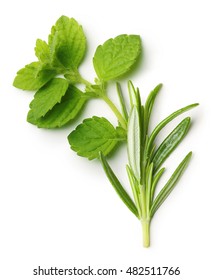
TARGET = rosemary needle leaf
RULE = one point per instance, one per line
(156, 179)
(170, 143)
(118, 187)
(122, 101)
(150, 102)
(134, 95)
(134, 142)
(169, 186)
(149, 174)
(163, 123)
(135, 189)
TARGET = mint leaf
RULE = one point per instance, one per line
(94, 135)
(33, 76)
(62, 113)
(48, 96)
(67, 43)
(42, 51)
(116, 56)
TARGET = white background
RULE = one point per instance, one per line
(58, 209)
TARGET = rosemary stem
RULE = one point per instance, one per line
(146, 232)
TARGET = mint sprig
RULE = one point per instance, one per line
(61, 93)
(62, 55)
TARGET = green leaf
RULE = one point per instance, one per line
(135, 100)
(163, 194)
(170, 143)
(155, 182)
(48, 96)
(134, 95)
(94, 135)
(122, 101)
(42, 51)
(149, 105)
(118, 187)
(116, 56)
(33, 76)
(135, 189)
(62, 113)
(149, 175)
(73, 77)
(163, 123)
(134, 142)
(67, 43)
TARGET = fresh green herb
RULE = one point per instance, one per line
(94, 135)
(116, 56)
(69, 107)
(59, 98)
(62, 55)
(145, 159)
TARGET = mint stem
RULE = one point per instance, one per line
(115, 111)
(109, 102)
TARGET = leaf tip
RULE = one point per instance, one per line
(189, 155)
(160, 86)
(195, 105)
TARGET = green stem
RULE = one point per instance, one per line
(84, 81)
(143, 201)
(146, 232)
(115, 111)
(103, 95)
(145, 220)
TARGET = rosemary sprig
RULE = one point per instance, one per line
(145, 159)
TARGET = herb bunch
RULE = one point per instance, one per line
(58, 100)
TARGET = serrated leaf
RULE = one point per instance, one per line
(33, 76)
(94, 135)
(63, 112)
(121, 132)
(67, 43)
(42, 51)
(170, 143)
(48, 96)
(118, 187)
(163, 194)
(134, 142)
(116, 56)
